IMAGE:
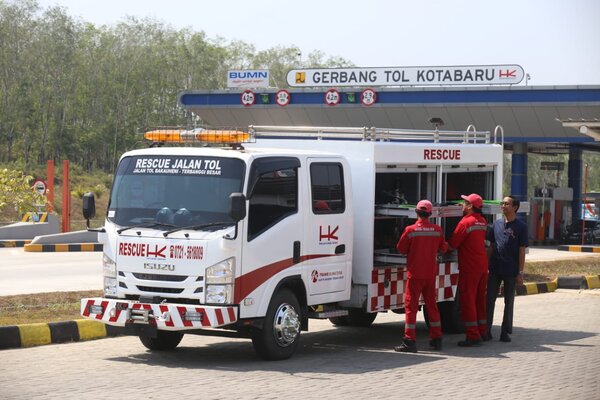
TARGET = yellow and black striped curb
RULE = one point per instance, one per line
(14, 243)
(536, 288)
(578, 248)
(63, 247)
(29, 335)
(579, 282)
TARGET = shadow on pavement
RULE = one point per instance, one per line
(349, 350)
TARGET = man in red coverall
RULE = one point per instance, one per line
(469, 239)
(421, 242)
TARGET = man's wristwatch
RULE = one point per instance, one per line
(521, 273)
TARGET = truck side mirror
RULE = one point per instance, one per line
(237, 206)
(89, 207)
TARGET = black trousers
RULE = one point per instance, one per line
(494, 281)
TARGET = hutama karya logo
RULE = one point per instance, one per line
(314, 275)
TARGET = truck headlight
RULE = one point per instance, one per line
(109, 270)
(219, 282)
(109, 267)
(219, 294)
(110, 286)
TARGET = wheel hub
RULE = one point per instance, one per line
(286, 325)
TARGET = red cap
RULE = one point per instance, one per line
(321, 205)
(424, 205)
(474, 199)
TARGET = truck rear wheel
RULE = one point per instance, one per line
(279, 337)
(450, 316)
(164, 340)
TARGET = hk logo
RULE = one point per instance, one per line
(330, 235)
(314, 276)
(508, 73)
(157, 252)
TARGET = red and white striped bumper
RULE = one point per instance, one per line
(173, 317)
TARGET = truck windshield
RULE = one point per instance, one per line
(174, 191)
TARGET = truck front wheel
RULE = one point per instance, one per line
(164, 340)
(359, 317)
(280, 334)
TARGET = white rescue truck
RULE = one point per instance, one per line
(282, 225)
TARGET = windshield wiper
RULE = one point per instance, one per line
(199, 226)
(145, 225)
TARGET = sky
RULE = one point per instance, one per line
(557, 42)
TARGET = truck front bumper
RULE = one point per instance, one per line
(164, 316)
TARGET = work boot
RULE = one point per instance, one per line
(470, 343)
(407, 346)
(436, 344)
(505, 338)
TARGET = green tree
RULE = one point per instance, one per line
(16, 192)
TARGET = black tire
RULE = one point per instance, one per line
(164, 340)
(279, 337)
(339, 321)
(359, 317)
(450, 316)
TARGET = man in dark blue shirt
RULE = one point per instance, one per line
(508, 240)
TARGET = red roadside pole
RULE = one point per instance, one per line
(585, 176)
(66, 198)
(50, 179)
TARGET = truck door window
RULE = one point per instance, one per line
(327, 187)
(274, 197)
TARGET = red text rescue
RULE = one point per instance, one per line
(439, 154)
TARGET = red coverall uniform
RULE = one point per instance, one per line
(421, 243)
(469, 239)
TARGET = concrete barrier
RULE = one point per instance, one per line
(67, 237)
(46, 224)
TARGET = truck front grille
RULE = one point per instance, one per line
(157, 277)
(159, 289)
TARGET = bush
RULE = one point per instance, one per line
(16, 192)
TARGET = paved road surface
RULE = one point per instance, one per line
(29, 272)
(555, 354)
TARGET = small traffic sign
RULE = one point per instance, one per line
(368, 97)
(332, 97)
(248, 98)
(283, 98)
(40, 187)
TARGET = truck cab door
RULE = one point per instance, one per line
(328, 232)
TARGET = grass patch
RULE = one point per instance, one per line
(42, 307)
(64, 306)
(546, 271)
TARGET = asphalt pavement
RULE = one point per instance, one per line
(554, 355)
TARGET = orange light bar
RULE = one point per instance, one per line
(197, 135)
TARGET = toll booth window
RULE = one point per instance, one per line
(327, 186)
(274, 197)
